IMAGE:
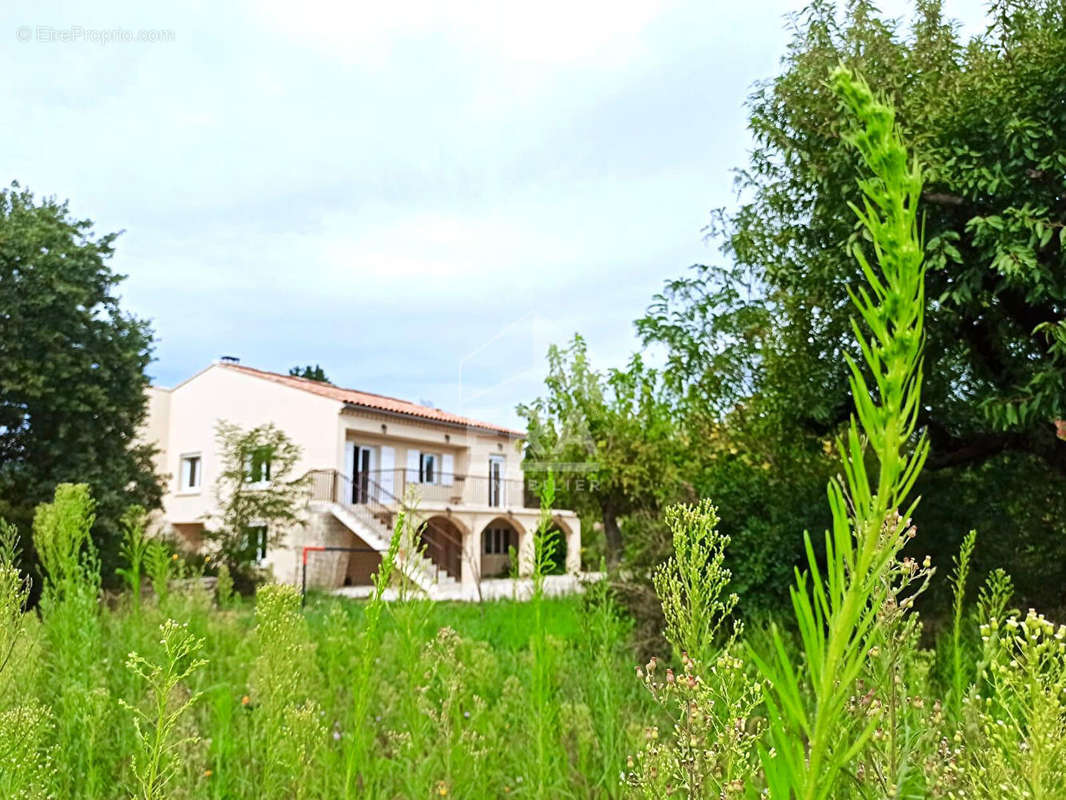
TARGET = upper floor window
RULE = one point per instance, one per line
(427, 468)
(257, 465)
(190, 475)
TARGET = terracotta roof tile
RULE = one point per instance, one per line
(378, 402)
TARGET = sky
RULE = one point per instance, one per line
(419, 195)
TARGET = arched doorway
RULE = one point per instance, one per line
(561, 533)
(442, 540)
(499, 539)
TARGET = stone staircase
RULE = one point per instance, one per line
(377, 534)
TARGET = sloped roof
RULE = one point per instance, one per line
(376, 402)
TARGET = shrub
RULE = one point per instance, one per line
(289, 730)
(159, 744)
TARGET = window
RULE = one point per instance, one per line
(496, 485)
(497, 541)
(256, 543)
(190, 476)
(257, 465)
(427, 468)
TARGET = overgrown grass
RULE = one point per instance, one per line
(282, 711)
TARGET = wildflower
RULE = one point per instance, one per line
(245, 700)
(208, 773)
(442, 788)
(174, 557)
(336, 735)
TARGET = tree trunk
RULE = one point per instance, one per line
(613, 534)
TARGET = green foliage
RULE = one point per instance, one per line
(994, 597)
(1017, 738)
(134, 550)
(224, 587)
(14, 591)
(288, 719)
(255, 487)
(24, 723)
(315, 373)
(73, 389)
(71, 628)
(541, 689)
(159, 560)
(959, 678)
(754, 347)
(609, 439)
(712, 750)
(691, 583)
(356, 765)
(605, 631)
(840, 612)
(159, 741)
(61, 534)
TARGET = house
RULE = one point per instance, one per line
(366, 457)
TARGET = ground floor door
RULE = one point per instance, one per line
(443, 546)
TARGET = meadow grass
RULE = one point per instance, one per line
(274, 711)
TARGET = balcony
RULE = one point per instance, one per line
(387, 488)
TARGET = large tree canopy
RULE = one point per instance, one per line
(757, 344)
(609, 438)
(72, 369)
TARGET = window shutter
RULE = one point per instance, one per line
(412, 466)
(388, 464)
(447, 464)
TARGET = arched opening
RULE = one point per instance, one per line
(499, 539)
(560, 532)
(442, 540)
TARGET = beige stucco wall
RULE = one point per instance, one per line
(218, 393)
(156, 429)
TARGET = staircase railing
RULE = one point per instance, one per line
(375, 505)
(432, 548)
(454, 488)
(335, 487)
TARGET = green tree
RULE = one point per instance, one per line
(315, 373)
(72, 370)
(258, 496)
(765, 334)
(608, 437)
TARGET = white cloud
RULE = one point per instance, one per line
(549, 32)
